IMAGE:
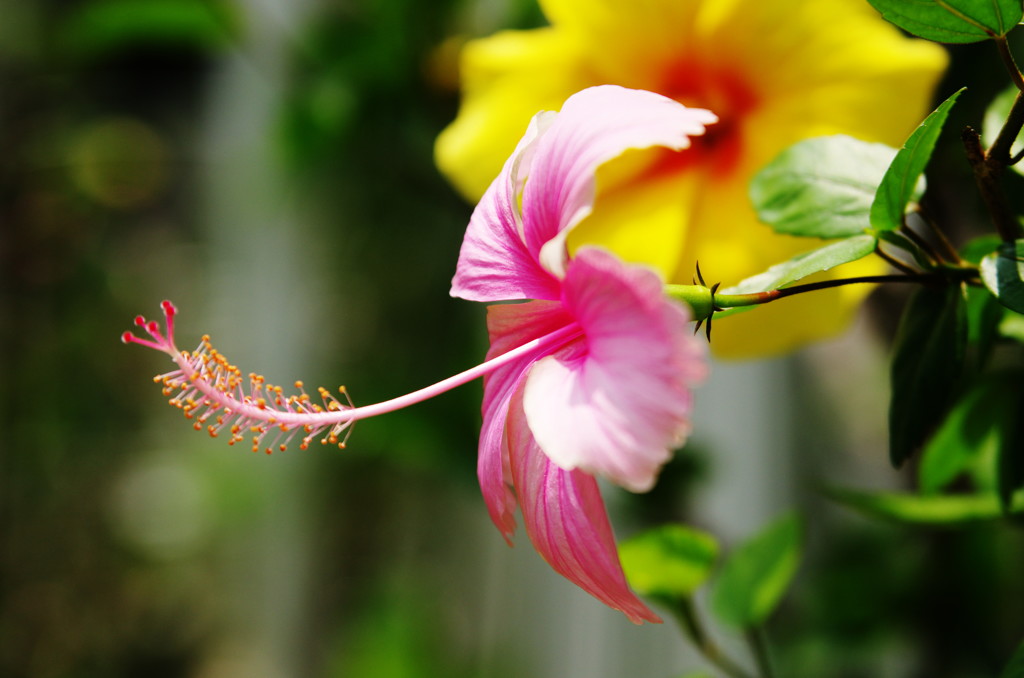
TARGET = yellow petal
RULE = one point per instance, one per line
(623, 40)
(507, 79)
(775, 73)
(642, 221)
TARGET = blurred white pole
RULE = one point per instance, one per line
(260, 294)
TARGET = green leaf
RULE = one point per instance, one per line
(942, 509)
(995, 116)
(974, 432)
(106, 26)
(1015, 669)
(976, 248)
(927, 362)
(671, 561)
(1012, 326)
(757, 574)
(952, 20)
(821, 187)
(984, 313)
(1010, 468)
(1003, 275)
(899, 184)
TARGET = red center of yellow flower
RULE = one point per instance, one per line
(722, 90)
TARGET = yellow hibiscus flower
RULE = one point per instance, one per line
(774, 73)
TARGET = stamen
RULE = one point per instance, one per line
(213, 394)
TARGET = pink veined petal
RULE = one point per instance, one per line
(509, 326)
(566, 520)
(511, 255)
(494, 263)
(594, 126)
(620, 407)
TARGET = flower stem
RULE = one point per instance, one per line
(724, 301)
(1000, 149)
(1008, 61)
(988, 166)
(944, 243)
(866, 279)
(691, 624)
(759, 647)
(922, 244)
(895, 263)
(733, 300)
(988, 170)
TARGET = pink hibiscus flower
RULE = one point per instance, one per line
(590, 377)
(612, 400)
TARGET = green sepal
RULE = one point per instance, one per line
(699, 298)
(938, 509)
(1002, 272)
(668, 562)
(821, 187)
(899, 185)
(957, 21)
(928, 360)
(757, 574)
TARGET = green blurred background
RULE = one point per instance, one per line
(267, 165)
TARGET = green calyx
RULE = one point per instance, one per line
(704, 301)
(699, 298)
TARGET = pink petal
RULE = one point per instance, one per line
(620, 407)
(594, 126)
(567, 522)
(504, 248)
(494, 263)
(509, 326)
